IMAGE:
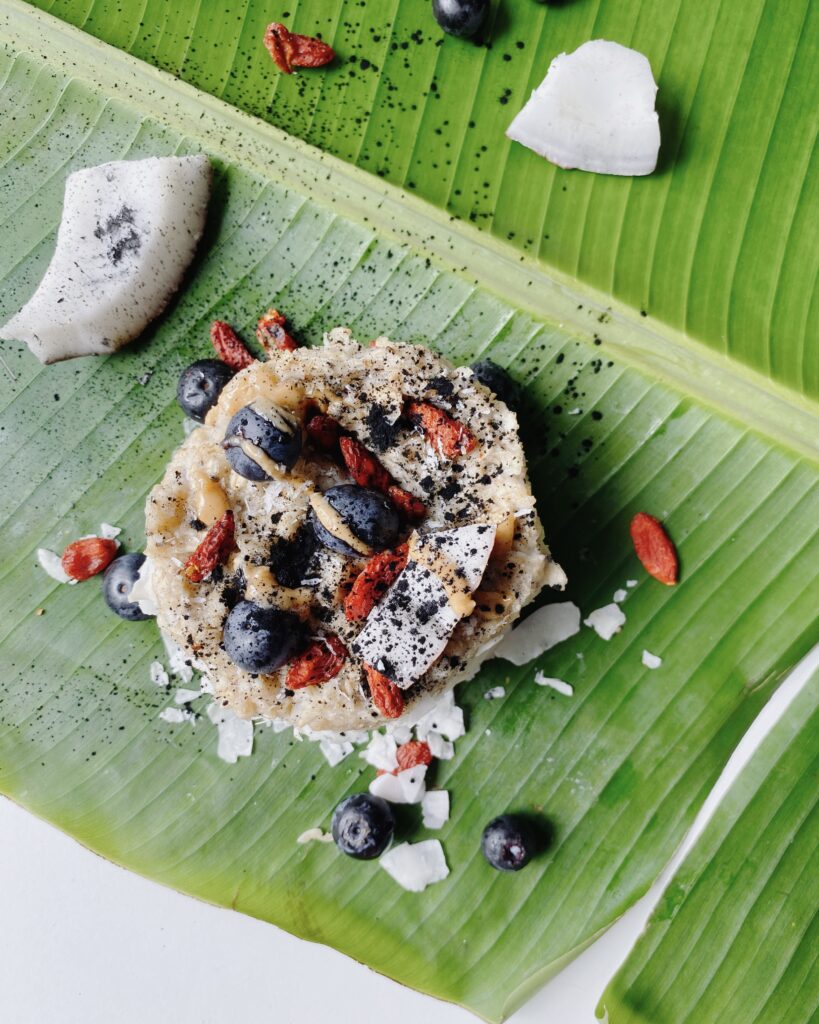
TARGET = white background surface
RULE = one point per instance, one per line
(84, 941)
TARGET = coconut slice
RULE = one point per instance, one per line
(594, 111)
(128, 232)
(416, 865)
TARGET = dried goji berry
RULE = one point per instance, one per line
(654, 548)
(413, 753)
(363, 466)
(270, 333)
(290, 50)
(445, 434)
(320, 661)
(407, 504)
(374, 580)
(214, 549)
(386, 697)
(84, 558)
(229, 346)
(324, 432)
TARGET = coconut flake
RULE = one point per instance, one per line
(594, 111)
(416, 865)
(619, 595)
(183, 696)
(314, 835)
(556, 684)
(435, 808)
(542, 630)
(335, 750)
(439, 747)
(189, 425)
(142, 592)
(235, 734)
(176, 716)
(495, 693)
(52, 564)
(381, 752)
(631, 583)
(159, 677)
(109, 532)
(606, 621)
(444, 718)
(651, 660)
(407, 787)
(179, 663)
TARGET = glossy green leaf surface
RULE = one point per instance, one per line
(719, 243)
(735, 935)
(618, 417)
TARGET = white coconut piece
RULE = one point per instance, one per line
(444, 718)
(435, 808)
(235, 734)
(555, 684)
(314, 835)
(415, 865)
(176, 716)
(619, 595)
(128, 232)
(406, 787)
(109, 532)
(594, 111)
(651, 660)
(606, 621)
(543, 629)
(495, 693)
(159, 677)
(335, 750)
(142, 592)
(439, 747)
(381, 752)
(183, 696)
(52, 564)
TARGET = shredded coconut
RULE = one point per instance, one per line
(556, 684)
(407, 787)
(651, 660)
(435, 808)
(235, 734)
(606, 621)
(314, 835)
(542, 630)
(416, 865)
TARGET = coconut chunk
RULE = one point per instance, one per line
(128, 232)
(594, 111)
(435, 808)
(406, 787)
(543, 629)
(606, 621)
(416, 865)
(235, 735)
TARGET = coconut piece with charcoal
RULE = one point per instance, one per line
(385, 535)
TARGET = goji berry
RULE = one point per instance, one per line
(320, 661)
(324, 432)
(213, 550)
(654, 548)
(84, 558)
(386, 697)
(229, 346)
(445, 434)
(290, 50)
(407, 504)
(413, 753)
(271, 334)
(363, 466)
(374, 580)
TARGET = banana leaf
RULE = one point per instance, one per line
(735, 934)
(620, 414)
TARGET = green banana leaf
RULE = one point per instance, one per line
(621, 414)
(734, 936)
(718, 244)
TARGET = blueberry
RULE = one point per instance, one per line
(117, 581)
(508, 842)
(367, 514)
(460, 17)
(261, 639)
(498, 381)
(200, 385)
(362, 826)
(268, 427)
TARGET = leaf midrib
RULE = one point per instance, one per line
(655, 349)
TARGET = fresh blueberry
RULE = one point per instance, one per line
(460, 17)
(366, 514)
(508, 842)
(362, 826)
(200, 385)
(268, 427)
(261, 639)
(117, 581)
(497, 380)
